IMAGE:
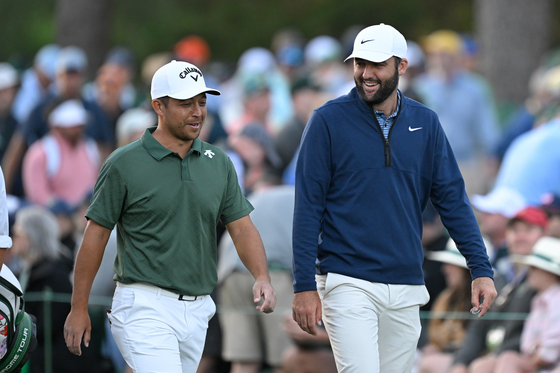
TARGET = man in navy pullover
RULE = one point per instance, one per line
(368, 164)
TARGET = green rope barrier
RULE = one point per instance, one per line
(106, 301)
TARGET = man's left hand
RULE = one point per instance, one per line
(263, 290)
(483, 287)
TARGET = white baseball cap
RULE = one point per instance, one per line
(46, 59)
(502, 200)
(71, 58)
(322, 49)
(70, 113)
(8, 76)
(378, 43)
(134, 120)
(179, 80)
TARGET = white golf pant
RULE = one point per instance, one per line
(372, 327)
(158, 333)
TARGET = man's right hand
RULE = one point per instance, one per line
(77, 325)
(88, 260)
(306, 311)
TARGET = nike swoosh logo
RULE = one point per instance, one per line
(414, 129)
(367, 41)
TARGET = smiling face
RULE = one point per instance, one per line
(377, 81)
(522, 236)
(182, 119)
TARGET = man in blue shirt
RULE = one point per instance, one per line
(369, 163)
(465, 106)
(531, 164)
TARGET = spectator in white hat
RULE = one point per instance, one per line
(496, 209)
(132, 124)
(70, 66)
(166, 193)
(322, 60)
(540, 339)
(64, 164)
(486, 340)
(256, 65)
(369, 162)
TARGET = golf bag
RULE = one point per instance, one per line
(18, 332)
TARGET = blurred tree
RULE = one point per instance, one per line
(86, 24)
(514, 36)
(231, 27)
(25, 27)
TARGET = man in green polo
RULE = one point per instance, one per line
(165, 193)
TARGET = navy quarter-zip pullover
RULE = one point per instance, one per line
(360, 197)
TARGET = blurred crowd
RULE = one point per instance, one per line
(56, 129)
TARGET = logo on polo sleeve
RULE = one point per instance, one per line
(209, 153)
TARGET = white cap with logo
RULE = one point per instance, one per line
(378, 43)
(179, 80)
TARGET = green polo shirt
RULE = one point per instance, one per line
(166, 210)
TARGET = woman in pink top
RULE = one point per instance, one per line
(540, 341)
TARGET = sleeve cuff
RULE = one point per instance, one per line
(483, 272)
(104, 223)
(308, 286)
(548, 354)
(5, 242)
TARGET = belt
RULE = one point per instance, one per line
(156, 290)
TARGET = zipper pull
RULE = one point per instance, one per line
(387, 153)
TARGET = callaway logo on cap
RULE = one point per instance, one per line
(179, 80)
(188, 70)
(378, 43)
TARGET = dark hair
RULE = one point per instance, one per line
(164, 100)
(397, 62)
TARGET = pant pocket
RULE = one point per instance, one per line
(212, 306)
(123, 300)
(333, 280)
(320, 280)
